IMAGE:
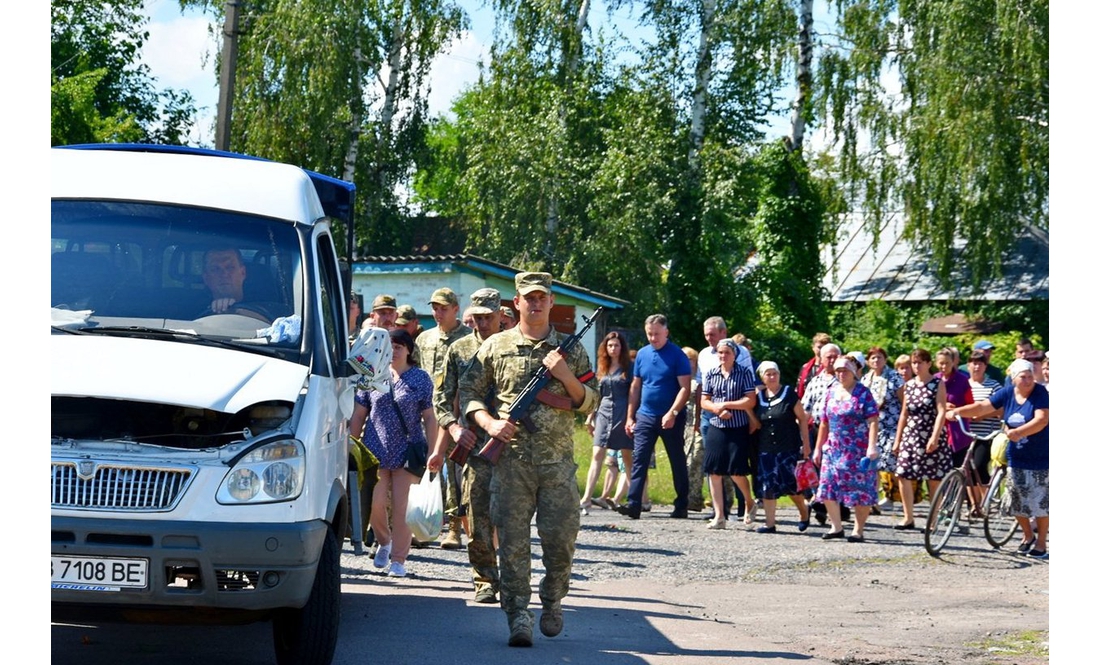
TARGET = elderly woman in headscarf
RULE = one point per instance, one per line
(848, 435)
(729, 393)
(1025, 409)
(783, 440)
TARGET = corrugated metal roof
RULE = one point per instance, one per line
(857, 270)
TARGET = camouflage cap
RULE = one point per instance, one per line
(384, 302)
(405, 313)
(526, 282)
(443, 296)
(484, 301)
(507, 311)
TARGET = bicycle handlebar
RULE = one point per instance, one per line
(976, 437)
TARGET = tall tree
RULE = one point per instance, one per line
(340, 86)
(962, 144)
(99, 89)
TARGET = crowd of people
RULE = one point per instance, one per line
(850, 435)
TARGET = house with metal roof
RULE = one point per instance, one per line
(412, 279)
(859, 270)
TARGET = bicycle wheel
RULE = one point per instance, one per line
(999, 523)
(943, 513)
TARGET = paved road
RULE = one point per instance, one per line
(657, 591)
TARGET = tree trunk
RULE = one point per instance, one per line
(804, 76)
(703, 74)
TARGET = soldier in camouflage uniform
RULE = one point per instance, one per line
(478, 472)
(536, 474)
(431, 354)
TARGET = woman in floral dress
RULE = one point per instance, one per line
(848, 433)
(886, 387)
(921, 443)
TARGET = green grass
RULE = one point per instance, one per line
(661, 491)
(1024, 643)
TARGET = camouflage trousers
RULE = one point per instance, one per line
(521, 490)
(693, 446)
(451, 489)
(477, 477)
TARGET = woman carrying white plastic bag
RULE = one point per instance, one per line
(397, 418)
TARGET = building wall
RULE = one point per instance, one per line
(415, 287)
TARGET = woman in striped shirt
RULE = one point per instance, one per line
(729, 394)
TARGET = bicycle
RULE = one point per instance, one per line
(947, 502)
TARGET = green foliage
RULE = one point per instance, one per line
(99, 92)
(896, 326)
(962, 147)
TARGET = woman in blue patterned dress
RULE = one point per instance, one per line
(388, 434)
(886, 386)
(783, 440)
(921, 443)
(848, 433)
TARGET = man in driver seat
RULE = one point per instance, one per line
(223, 272)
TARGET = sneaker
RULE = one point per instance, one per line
(519, 630)
(382, 556)
(1025, 547)
(485, 595)
(1038, 554)
(550, 623)
(397, 569)
(602, 503)
(679, 514)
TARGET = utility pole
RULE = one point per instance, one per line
(227, 76)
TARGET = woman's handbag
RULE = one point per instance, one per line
(416, 452)
(805, 474)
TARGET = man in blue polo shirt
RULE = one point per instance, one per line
(658, 394)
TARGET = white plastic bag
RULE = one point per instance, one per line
(425, 513)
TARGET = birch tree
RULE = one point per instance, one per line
(960, 144)
(340, 86)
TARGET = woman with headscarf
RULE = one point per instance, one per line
(921, 443)
(395, 419)
(848, 435)
(1025, 409)
(729, 393)
(783, 440)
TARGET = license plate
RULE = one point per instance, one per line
(91, 573)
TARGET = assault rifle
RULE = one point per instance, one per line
(535, 390)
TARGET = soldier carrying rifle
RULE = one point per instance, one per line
(535, 473)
